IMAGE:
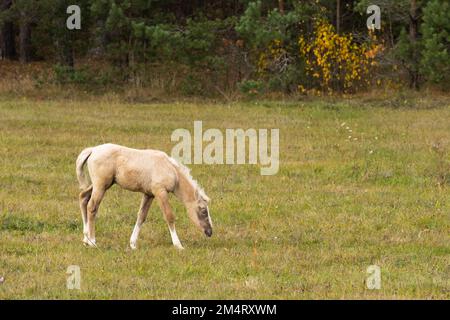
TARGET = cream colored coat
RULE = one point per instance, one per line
(150, 172)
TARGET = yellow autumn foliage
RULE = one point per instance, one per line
(269, 58)
(337, 61)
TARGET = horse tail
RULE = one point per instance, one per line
(81, 161)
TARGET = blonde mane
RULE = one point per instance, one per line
(187, 173)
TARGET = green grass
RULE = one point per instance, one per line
(336, 206)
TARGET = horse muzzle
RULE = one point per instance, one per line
(208, 232)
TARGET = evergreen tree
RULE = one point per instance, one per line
(436, 39)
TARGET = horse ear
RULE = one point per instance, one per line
(201, 195)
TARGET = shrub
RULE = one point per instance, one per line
(337, 62)
(251, 88)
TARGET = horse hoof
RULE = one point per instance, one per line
(89, 243)
(133, 246)
(179, 248)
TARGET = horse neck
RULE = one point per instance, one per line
(185, 190)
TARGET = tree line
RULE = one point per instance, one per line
(219, 46)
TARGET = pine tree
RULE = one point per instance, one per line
(436, 37)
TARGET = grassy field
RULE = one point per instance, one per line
(358, 185)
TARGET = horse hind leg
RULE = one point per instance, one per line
(92, 209)
(142, 215)
(84, 198)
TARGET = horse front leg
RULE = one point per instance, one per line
(142, 215)
(163, 201)
(92, 209)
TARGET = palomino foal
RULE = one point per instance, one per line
(151, 172)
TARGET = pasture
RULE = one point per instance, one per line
(358, 185)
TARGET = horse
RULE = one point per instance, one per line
(151, 172)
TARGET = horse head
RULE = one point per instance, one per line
(199, 212)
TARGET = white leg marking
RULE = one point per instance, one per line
(87, 241)
(142, 215)
(134, 236)
(85, 232)
(175, 240)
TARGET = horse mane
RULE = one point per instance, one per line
(187, 173)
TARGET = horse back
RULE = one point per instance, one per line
(135, 170)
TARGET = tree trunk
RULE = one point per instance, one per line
(64, 48)
(413, 27)
(67, 54)
(413, 20)
(7, 35)
(281, 6)
(338, 16)
(25, 42)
